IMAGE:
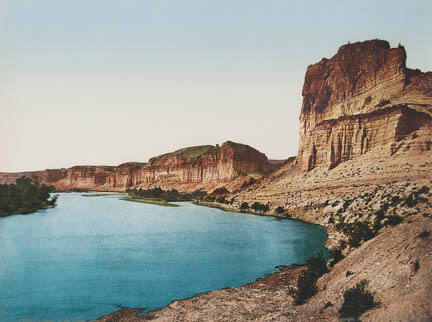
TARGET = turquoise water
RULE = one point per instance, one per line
(90, 256)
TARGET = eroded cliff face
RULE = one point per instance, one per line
(11, 177)
(201, 167)
(363, 99)
(101, 178)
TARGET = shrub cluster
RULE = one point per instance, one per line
(279, 210)
(244, 206)
(169, 195)
(336, 254)
(248, 183)
(306, 284)
(260, 207)
(357, 300)
(358, 232)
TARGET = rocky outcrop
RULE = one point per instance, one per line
(202, 167)
(362, 98)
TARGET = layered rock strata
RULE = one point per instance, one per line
(11, 177)
(362, 98)
(201, 167)
(102, 178)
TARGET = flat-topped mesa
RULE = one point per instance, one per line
(342, 94)
(201, 166)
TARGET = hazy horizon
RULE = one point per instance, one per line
(106, 82)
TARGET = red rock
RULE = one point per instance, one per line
(186, 169)
(341, 99)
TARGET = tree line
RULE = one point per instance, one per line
(167, 195)
(25, 196)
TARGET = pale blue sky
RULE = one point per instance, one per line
(104, 81)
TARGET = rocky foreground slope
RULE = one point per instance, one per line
(364, 161)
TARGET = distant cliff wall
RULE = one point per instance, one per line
(100, 178)
(202, 166)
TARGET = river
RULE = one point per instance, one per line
(90, 256)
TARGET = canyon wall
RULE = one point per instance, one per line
(11, 177)
(101, 178)
(363, 100)
(201, 167)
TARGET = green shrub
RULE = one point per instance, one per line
(336, 256)
(220, 199)
(259, 207)
(317, 265)
(210, 198)
(358, 232)
(306, 284)
(306, 287)
(424, 234)
(244, 206)
(357, 300)
(279, 210)
(424, 189)
(411, 201)
(246, 184)
(394, 220)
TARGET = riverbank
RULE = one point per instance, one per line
(395, 262)
(25, 212)
(385, 261)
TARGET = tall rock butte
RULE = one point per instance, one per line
(363, 100)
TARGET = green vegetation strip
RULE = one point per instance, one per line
(158, 202)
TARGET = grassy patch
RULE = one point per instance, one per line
(158, 202)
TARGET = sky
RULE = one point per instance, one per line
(102, 82)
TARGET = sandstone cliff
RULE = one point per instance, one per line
(364, 98)
(103, 178)
(201, 167)
(11, 177)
